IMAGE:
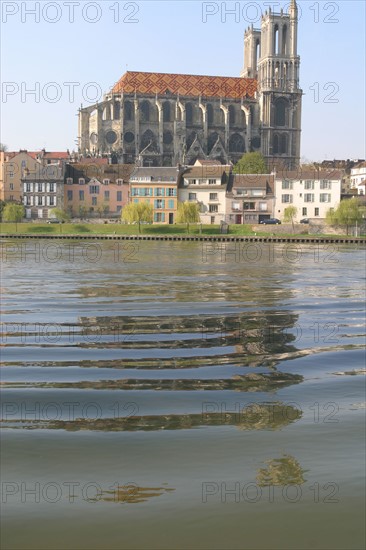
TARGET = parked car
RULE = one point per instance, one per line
(304, 220)
(271, 221)
(53, 220)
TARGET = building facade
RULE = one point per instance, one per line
(358, 178)
(206, 186)
(166, 119)
(250, 198)
(95, 189)
(313, 193)
(12, 168)
(43, 191)
(159, 188)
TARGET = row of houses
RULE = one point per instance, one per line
(94, 188)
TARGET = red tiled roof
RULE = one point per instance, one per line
(56, 155)
(186, 85)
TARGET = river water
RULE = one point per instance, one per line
(162, 395)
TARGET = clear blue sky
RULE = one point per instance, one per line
(170, 36)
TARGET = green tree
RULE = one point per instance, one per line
(82, 212)
(2, 206)
(289, 214)
(137, 212)
(188, 212)
(251, 163)
(60, 215)
(13, 213)
(348, 213)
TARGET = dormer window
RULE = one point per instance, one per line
(81, 181)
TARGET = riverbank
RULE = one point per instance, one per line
(100, 231)
(186, 238)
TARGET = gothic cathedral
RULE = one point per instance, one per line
(160, 119)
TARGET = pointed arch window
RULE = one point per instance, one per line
(128, 111)
(166, 112)
(232, 118)
(284, 40)
(210, 114)
(283, 144)
(276, 40)
(145, 111)
(189, 113)
(280, 112)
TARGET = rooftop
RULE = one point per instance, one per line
(185, 85)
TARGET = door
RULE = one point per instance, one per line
(171, 217)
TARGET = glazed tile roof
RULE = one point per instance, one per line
(186, 85)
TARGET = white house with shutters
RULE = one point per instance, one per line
(206, 186)
(312, 192)
(43, 191)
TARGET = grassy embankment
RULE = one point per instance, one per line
(124, 229)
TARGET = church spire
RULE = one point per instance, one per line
(293, 9)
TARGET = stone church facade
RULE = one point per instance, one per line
(156, 119)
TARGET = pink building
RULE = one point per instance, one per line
(96, 189)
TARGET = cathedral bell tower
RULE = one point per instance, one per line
(270, 55)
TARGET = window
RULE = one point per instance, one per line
(316, 211)
(145, 111)
(211, 182)
(94, 201)
(69, 195)
(106, 195)
(304, 211)
(81, 181)
(119, 182)
(249, 206)
(212, 219)
(24, 163)
(287, 198)
(81, 195)
(213, 196)
(40, 201)
(11, 187)
(192, 196)
(159, 217)
(171, 204)
(11, 198)
(263, 206)
(309, 197)
(287, 184)
(159, 203)
(94, 189)
(235, 205)
(213, 208)
(171, 192)
(309, 184)
(40, 188)
(68, 181)
(325, 197)
(119, 196)
(28, 201)
(11, 174)
(159, 192)
(27, 187)
(106, 181)
(52, 187)
(51, 201)
(325, 184)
